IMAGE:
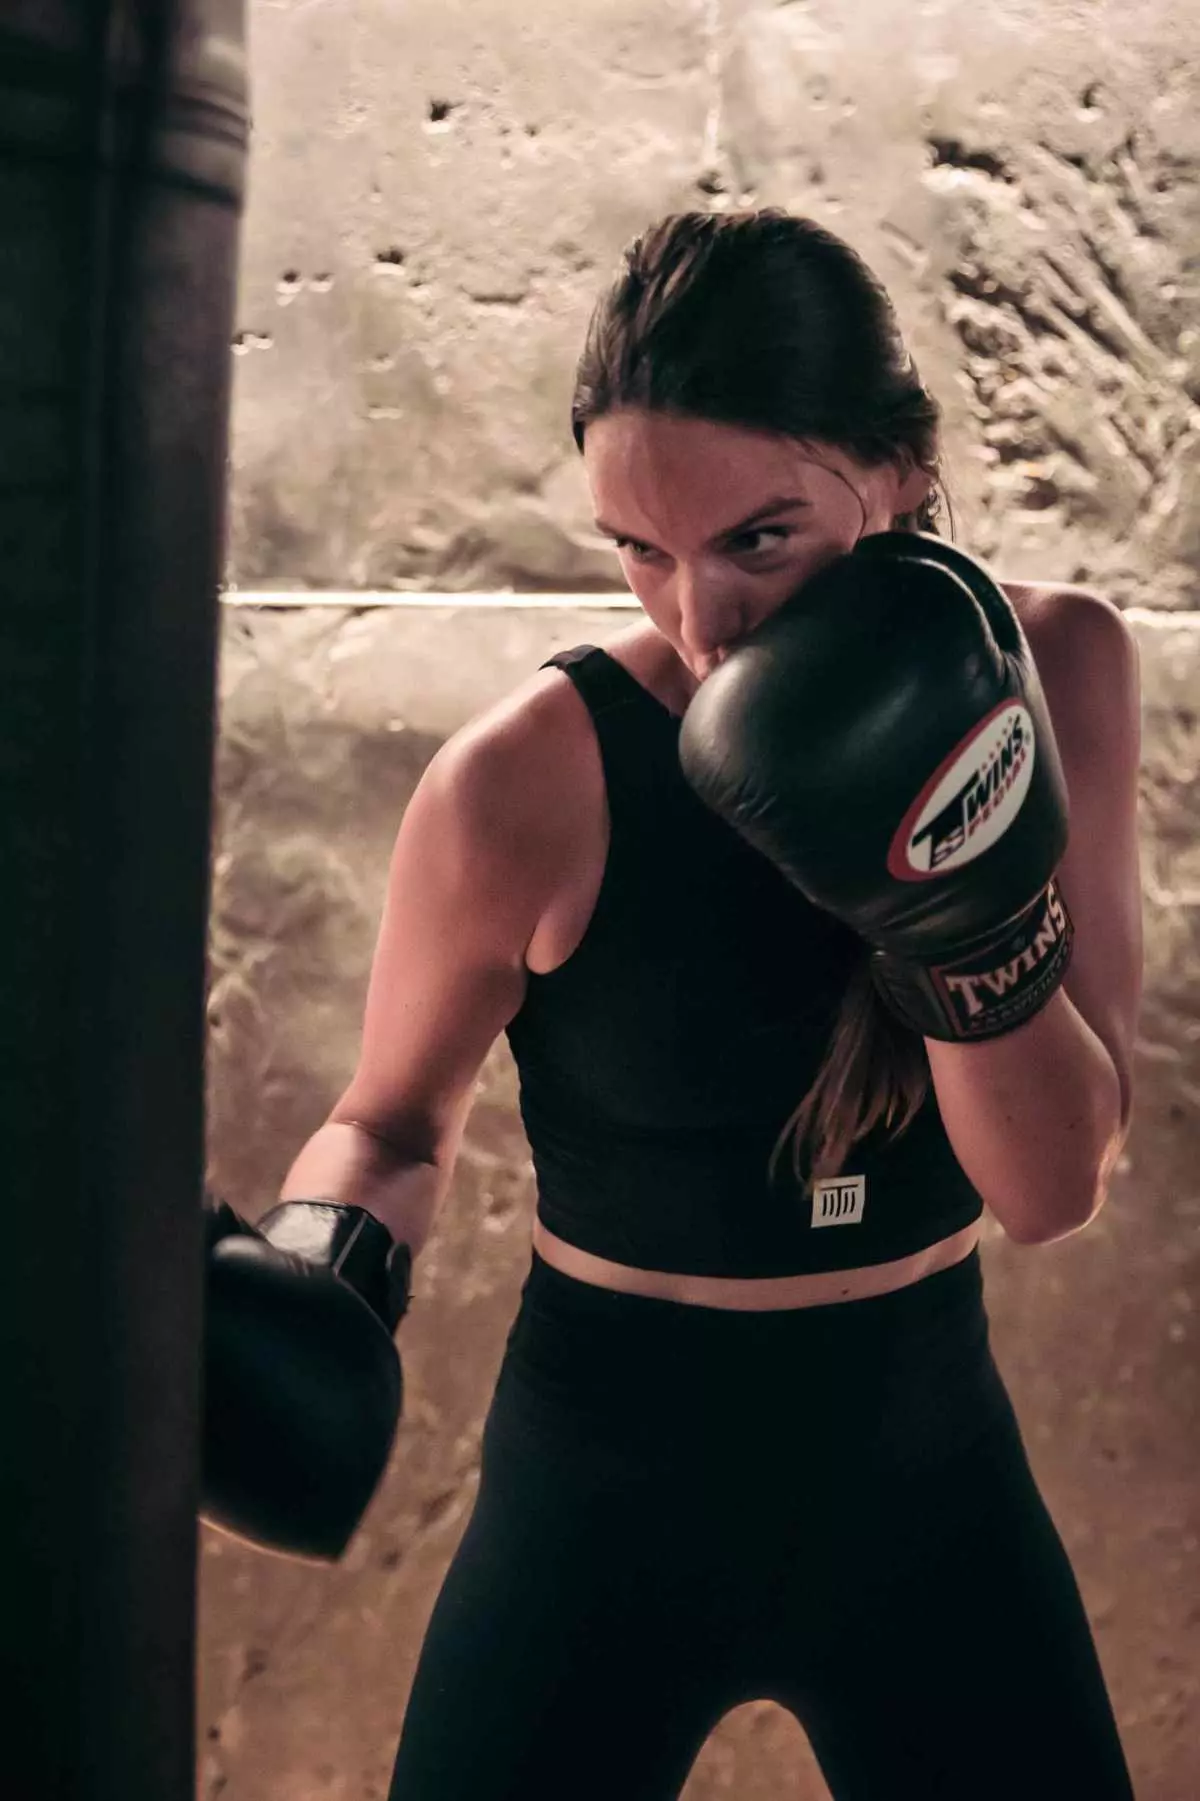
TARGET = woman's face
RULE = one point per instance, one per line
(716, 526)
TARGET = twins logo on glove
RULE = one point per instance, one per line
(971, 801)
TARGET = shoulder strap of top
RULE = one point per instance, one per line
(601, 680)
(634, 732)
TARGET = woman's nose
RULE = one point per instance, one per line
(711, 615)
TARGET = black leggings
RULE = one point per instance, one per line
(683, 1508)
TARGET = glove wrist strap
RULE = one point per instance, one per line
(991, 987)
(352, 1245)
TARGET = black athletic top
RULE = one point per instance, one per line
(660, 1062)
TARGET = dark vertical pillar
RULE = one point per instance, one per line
(122, 149)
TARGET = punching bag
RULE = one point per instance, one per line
(123, 132)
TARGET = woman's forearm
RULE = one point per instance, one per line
(348, 1163)
(1035, 1120)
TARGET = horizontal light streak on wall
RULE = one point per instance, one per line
(1162, 619)
(1152, 617)
(360, 599)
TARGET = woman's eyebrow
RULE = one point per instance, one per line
(780, 503)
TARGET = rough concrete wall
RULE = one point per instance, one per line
(436, 194)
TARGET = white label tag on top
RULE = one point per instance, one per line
(839, 1201)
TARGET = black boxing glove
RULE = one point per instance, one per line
(884, 740)
(220, 1221)
(303, 1386)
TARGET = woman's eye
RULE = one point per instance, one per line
(777, 534)
(742, 545)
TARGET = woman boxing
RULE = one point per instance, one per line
(794, 990)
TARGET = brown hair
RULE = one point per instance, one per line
(766, 320)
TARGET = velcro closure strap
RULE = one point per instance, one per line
(989, 989)
(352, 1245)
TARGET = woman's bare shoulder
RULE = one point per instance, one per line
(541, 729)
(522, 768)
(1057, 617)
(1030, 600)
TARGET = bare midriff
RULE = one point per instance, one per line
(756, 1294)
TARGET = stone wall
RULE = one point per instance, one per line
(437, 193)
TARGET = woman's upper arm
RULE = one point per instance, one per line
(468, 881)
(1090, 674)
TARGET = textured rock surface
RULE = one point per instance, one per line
(437, 193)
(328, 719)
